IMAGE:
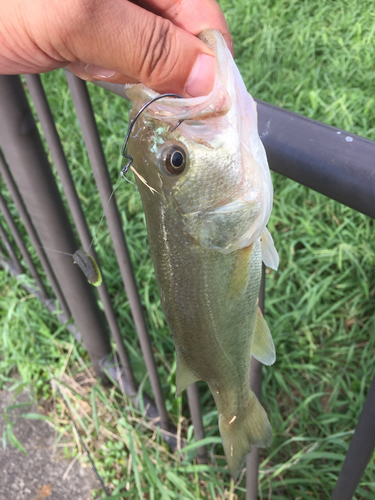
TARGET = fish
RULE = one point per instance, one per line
(206, 189)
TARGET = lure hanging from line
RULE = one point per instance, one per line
(89, 267)
(86, 263)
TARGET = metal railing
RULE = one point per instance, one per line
(331, 161)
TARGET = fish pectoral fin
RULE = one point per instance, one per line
(270, 256)
(263, 347)
(241, 272)
(184, 376)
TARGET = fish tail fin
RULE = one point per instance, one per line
(239, 433)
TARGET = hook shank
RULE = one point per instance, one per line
(128, 157)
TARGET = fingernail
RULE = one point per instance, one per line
(99, 71)
(202, 76)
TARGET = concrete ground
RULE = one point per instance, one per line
(41, 473)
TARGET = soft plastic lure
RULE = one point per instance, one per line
(89, 267)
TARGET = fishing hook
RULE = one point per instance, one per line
(128, 157)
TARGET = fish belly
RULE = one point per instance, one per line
(210, 303)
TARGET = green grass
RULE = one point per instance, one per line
(313, 57)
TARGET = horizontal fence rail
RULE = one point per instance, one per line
(333, 162)
(328, 160)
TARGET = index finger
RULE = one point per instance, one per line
(192, 16)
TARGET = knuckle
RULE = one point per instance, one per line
(80, 11)
(74, 18)
(160, 52)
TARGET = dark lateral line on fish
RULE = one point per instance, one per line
(132, 123)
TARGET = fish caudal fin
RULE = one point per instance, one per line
(239, 433)
(263, 348)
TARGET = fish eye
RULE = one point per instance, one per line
(174, 160)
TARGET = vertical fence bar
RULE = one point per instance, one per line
(24, 152)
(252, 459)
(17, 199)
(196, 417)
(9, 248)
(21, 245)
(360, 450)
(43, 110)
(91, 137)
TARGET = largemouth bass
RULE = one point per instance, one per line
(207, 194)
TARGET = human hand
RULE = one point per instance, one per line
(148, 41)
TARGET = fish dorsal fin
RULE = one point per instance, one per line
(270, 256)
(263, 347)
(184, 376)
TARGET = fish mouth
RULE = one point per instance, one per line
(242, 202)
(216, 104)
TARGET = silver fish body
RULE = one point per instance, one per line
(206, 217)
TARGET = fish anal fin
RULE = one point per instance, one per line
(241, 272)
(270, 256)
(184, 376)
(241, 432)
(263, 348)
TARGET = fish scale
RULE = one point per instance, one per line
(206, 221)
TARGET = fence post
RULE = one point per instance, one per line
(196, 418)
(360, 450)
(21, 245)
(24, 152)
(252, 459)
(9, 248)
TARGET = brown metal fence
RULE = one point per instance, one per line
(344, 174)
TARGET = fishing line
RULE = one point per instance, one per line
(71, 418)
(108, 202)
(89, 266)
(81, 257)
(55, 251)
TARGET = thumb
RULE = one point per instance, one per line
(136, 45)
